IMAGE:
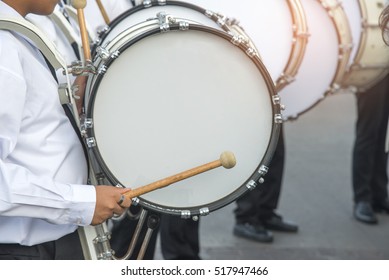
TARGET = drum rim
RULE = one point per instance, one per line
(257, 174)
(153, 3)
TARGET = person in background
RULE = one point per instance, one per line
(44, 194)
(370, 155)
(255, 212)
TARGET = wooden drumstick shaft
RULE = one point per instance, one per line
(227, 160)
(103, 11)
(79, 5)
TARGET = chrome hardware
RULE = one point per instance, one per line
(278, 118)
(164, 22)
(102, 70)
(102, 53)
(251, 185)
(183, 25)
(263, 170)
(135, 201)
(204, 211)
(91, 142)
(185, 214)
(147, 3)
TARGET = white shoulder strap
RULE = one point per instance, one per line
(38, 37)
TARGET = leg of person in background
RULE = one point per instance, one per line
(369, 166)
(122, 233)
(255, 212)
(179, 238)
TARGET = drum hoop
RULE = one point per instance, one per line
(343, 32)
(300, 41)
(138, 8)
(258, 173)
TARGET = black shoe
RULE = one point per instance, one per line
(253, 232)
(382, 206)
(363, 212)
(277, 223)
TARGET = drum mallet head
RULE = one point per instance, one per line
(79, 4)
(227, 159)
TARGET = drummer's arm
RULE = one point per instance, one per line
(80, 84)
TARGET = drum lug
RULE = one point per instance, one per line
(102, 32)
(276, 99)
(161, 2)
(102, 53)
(251, 185)
(147, 3)
(263, 170)
(102, 70)
(185, 214)
(204, 211)
(86, 124)
(278, 118)
(135, 201)
(183, 25)
(237, 40)
(91, 142)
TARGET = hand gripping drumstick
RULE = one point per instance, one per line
(227, 160)
(79, 5)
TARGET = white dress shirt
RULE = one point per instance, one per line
(43, 171)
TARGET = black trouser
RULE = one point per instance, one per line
(179, 238)
(369, 166)
(259, 204)
(65, 248)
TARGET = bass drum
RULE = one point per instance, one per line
(326, 57)
(369, 62)
(174, 94)
(277, 29)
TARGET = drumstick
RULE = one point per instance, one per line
(227, 160)
(79, 5)
(103, 11)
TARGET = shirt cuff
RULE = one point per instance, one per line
(84, 203)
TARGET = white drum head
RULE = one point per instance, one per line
(173, 101)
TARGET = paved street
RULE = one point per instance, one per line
(316, 194)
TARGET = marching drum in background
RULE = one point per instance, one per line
(369, 62)
(326, 57)
(277, 29)
(199, 92)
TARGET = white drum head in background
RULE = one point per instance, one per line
(325, 59)
(267, 23)
(172, 101)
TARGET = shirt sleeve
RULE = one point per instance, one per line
(23, 193)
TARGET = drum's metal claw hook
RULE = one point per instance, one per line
(77, 68)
